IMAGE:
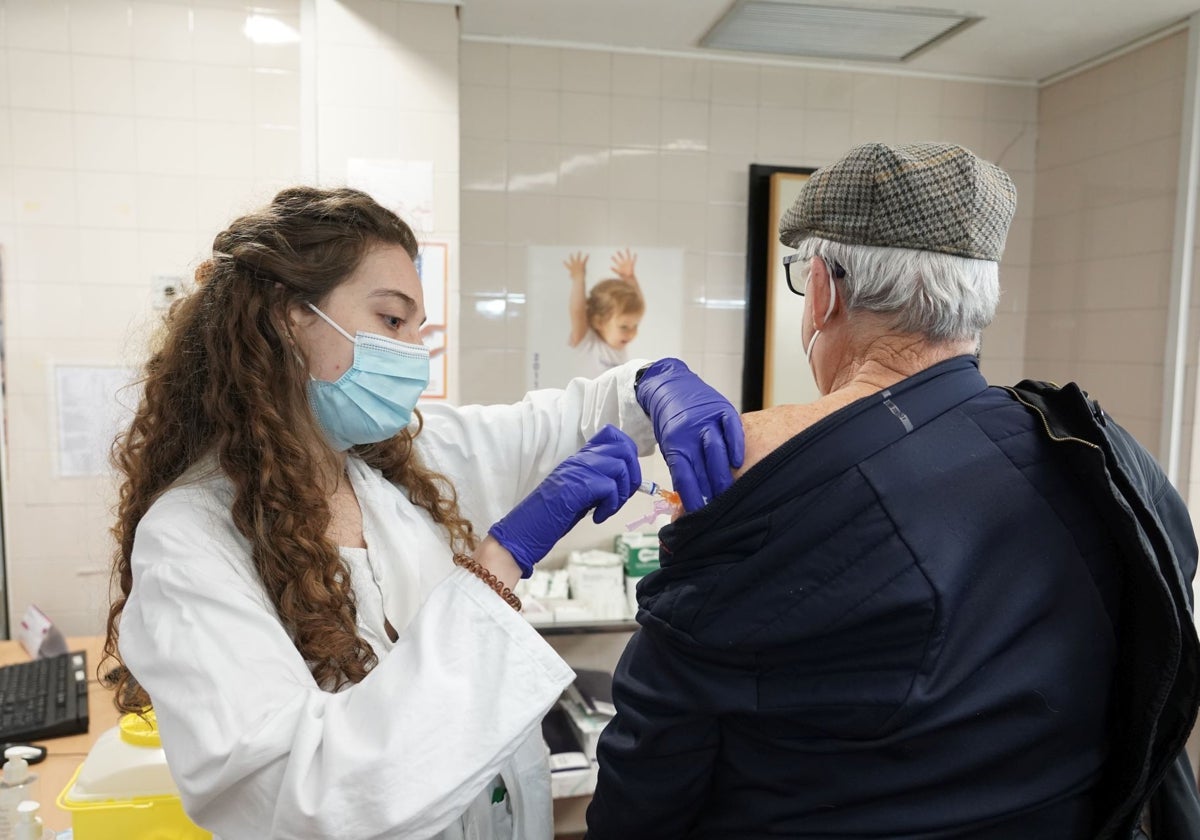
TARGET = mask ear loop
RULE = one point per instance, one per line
(331, 322)
(832, 288)
(828, 312)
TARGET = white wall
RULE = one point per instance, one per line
(130, 133)
(387, 89)
(1108, 161)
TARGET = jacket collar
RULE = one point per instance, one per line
(844, 438)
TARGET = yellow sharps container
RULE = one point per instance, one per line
(123, 790)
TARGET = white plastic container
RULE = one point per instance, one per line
(598, 583)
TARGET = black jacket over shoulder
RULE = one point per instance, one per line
(1159, 669)
(933, 614)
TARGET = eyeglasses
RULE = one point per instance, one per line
(834, 269)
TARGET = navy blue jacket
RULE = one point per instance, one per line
(902, 623)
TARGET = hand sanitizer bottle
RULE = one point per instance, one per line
(29, 825)
(16, 785)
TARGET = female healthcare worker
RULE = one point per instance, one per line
(330, 648)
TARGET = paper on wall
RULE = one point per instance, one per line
(93, 404)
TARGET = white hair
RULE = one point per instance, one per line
(941, 297)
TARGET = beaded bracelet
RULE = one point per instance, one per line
(490, 579)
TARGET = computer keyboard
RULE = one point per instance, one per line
(44, 698)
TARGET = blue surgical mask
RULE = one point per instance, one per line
(374, 399)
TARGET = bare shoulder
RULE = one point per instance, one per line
(769, 429)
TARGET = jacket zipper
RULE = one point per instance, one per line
(1046, 423)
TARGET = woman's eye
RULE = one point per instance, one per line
(393, 322)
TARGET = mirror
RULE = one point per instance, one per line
(775, 370)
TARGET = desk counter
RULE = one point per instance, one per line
(64, 755)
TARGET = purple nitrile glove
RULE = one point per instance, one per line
(601, 475)
(699, 431)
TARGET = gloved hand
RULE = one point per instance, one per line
(603, 474)
(699, 431)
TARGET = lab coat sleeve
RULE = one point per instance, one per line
(495, 455)
(657, 755)
(259, 751)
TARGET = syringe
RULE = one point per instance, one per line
(666, 503)
(652, 488)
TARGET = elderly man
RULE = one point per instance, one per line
(928, 608)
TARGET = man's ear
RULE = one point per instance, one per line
(818, 292)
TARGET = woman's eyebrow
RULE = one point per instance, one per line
(407, 300)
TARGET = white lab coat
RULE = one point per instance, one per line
(259, 751)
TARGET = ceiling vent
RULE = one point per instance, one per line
(857, 34)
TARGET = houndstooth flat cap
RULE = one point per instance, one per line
(925, 196)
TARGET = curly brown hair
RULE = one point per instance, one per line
(213, 389)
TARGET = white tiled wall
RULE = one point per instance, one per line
(563, 146)
(387, 89)
(1107, 165)
(129, 133)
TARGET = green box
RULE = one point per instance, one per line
(638, 552)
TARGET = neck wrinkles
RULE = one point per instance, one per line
(885, 360)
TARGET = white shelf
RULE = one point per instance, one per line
(565, 784)
(565, 628)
